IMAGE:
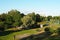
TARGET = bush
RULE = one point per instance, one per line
(52, 30)
(2, 29)
(58, 30)
(49, 30)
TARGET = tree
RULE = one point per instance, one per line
(8, 21)
(3, 17)
(37, 18)
(22, 15)
(49, 17)
(2, 22)
(2, 28)
(32, 15)
(28, 20)
(16, 17)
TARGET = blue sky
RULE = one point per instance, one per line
(46, 7)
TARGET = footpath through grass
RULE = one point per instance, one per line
(10, 36)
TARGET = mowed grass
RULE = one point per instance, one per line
(11, 35)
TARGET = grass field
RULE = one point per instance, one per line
(10, 35)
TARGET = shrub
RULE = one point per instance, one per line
(49, 30)
(2, 29)
(58, 30)
(52, 30)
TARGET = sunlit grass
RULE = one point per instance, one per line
(11, 36)
(29, 32)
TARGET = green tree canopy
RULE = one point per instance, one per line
(28, 20)
(16, 15)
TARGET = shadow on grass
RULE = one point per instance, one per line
(55, 37)
(7, 32)
(36, 36)
(42, 36)
(3, 33)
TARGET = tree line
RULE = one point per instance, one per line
(14, 18)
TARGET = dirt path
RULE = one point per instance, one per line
(27, 35)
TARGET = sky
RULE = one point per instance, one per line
(42, 7)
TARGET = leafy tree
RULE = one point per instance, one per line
(8, 21)
(2, 28)
(22, 15)
(32, 15)
(2, 21)
(3, 17)
(37, 18)
(49, 17)
(16, 17)
(28, 20)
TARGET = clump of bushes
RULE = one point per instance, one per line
(58, 30)
(49, 30)
(2, 29)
